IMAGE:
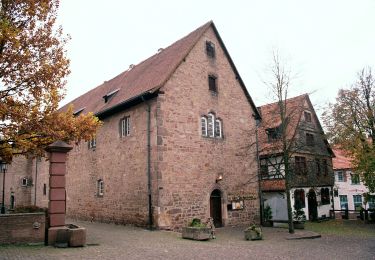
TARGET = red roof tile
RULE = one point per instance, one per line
(147, 76)
(342, 159)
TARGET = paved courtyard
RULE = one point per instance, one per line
(110, 241)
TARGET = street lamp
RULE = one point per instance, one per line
(3, 168)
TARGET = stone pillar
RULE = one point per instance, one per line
(57, 194)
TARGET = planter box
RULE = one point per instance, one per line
(196, 233)
(77, 235)
(252, 235)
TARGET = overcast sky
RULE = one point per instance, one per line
(324, 42)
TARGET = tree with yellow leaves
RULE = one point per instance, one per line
(33, 71)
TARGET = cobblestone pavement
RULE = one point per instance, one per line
(110, 241)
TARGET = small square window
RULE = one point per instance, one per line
(307, 116)
(210, 49)
(24, 182)
(212, 83)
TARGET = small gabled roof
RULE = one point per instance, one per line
(342, 160)
(147, 77)
(271, 120)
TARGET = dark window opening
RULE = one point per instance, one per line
(318, 169)
(264, 171)
(212, 83)
(300, 166)
(210, 49)
(299, 199)
(324, 194)
(307, 116)
(309, 139)
(44, 189)
(325, 167)
(273, 134)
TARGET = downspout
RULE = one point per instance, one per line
(150, 217)
(257, 122)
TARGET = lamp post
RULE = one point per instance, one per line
(3, 168)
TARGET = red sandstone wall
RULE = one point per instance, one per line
(188, 163)
(22, 228)
(121, 163)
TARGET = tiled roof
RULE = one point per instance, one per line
(271, 119)
(147, 76)
(342, 159)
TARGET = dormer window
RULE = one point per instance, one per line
(210, 49)
(307, 116)
(77, 112)
(273, 134)
(108, 96)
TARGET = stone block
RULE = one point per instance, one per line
(57, 194)
(56, 220)
(56, 207)
(57, 169)
(57, 181)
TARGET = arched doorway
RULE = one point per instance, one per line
(313, 210)
(215, 208)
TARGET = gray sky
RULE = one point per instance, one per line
(324, 42)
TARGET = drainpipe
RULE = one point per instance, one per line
(150, 217)
(257, 122)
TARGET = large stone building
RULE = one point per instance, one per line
(176, 142)
(310, 160)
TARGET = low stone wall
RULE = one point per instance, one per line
(22, 228)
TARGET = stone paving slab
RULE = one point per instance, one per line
(299, 234)
(110, 241)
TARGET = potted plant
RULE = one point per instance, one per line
(267, 216)
(196, 230)
(253, 232)
(299, 218)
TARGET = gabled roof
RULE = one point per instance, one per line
(147, 77)
(271, 119)
(342, 160)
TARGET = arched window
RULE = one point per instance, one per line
(210, 125)
(204, 125)
(218, 129)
